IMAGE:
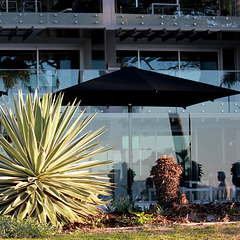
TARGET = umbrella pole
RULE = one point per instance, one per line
(190, 143)
(130, 149)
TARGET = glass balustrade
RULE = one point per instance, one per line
(64, 6)
(179, 7)
(166, 7)
(204, 143)
(55, 80)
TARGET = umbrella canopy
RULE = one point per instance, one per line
(3, 93)
(136, 87)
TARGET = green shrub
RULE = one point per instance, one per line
(30, 228)
(142, 218)
(123, 205)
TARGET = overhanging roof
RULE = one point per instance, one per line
(164, 34)
(10, 33)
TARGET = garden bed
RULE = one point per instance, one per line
(178, 214)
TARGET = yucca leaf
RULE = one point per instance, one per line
(38, 120)
(32, 147)
(32, 203)
(23, 210)
(37, 178)
(29, 106)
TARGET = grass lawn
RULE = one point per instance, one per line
(206, 232)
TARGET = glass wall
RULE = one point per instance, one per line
(159, 60)
(203, 144)
(198, 60)
(50, 61)
(208, 153)
(180, 7)
(169, 60)
(92, 6)
(20, 63)
(127, 58)
(215, 141)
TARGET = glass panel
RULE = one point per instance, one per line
(158, 60)
(59, 59)
(55, 80)
(182, 7)
(199, 61)
(91, 6)
(9, 6)
(21, 61)
(98, 59)
(18, 59)
(125, 6)
(127, 58)
(50, 61)
(228, 59)
(215, 144)
(30, 6)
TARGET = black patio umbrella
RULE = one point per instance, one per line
(3, 93)
(137, 87)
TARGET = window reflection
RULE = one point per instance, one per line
(182, 7)
(22, 61)
(127, 58)
(199, 61)
(58, 59)
(158, 60)
(52, 60)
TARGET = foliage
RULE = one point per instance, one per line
(142, 218)
(123, 205)
(230, 79)
(29, 228)
(44, 172)
(192, 171)
(160, 210)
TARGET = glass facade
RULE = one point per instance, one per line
(203, 138)
(204, 144)
(199, 60)
(179, 7)
(159, 60)
(170, 60)
(50, 62)
(127, 58)
(50, 6)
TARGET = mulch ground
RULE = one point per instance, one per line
(189, 213)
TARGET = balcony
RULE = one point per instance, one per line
(153, 15)
(179, 7)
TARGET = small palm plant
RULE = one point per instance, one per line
(43, 172)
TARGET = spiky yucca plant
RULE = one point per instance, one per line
(43, 172)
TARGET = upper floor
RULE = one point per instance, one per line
(113, 14)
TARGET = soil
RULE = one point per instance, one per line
(188, 213)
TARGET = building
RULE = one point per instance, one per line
(51, 45)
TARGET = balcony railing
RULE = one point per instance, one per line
(55, 80)
(179, 7)
(49, 6)
(168, 7)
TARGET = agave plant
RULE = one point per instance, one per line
(44, 172)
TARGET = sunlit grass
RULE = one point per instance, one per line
(165, 232)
